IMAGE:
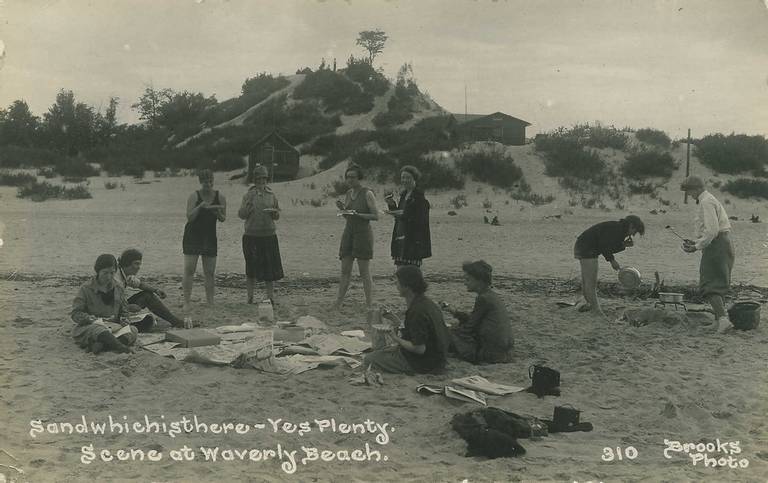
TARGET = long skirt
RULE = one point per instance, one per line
(262, 258)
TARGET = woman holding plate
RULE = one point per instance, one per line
(358, 209)
(261, 249)
(411, 241)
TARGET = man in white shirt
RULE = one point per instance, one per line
(713, 240)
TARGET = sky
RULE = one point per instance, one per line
(670, 65)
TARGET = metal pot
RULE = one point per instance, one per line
(670, 298)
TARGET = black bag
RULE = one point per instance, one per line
(544, 381)
(565, 417)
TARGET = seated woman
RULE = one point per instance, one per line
(485, 335)
(138, 292)
(97, 311)
(604, 239)
(423, 343)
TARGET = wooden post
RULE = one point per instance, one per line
(687, 162)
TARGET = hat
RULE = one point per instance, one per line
(260, 171)
(692, 182)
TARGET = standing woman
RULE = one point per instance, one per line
(204, 208)
(260, 210)
(604, 239)
(359, 208)
(411, 241)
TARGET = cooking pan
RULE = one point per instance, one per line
(670, 297)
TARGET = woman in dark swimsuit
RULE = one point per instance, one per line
(204, 208)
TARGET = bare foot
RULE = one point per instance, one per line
(723, 325)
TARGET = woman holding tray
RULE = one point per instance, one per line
(411, 241)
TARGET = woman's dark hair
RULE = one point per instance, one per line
(479, 270)
(105, 260)
(635, 221)
(128, 257)
(356, 168)
(413, 171)
(410, 276)
(204, 174)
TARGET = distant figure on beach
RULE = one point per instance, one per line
(485, 335)
(411, 242)
(204, 208)
(606, 239)
(423, 343)
(97, 311)
(261, 250)
(713, 239)
(358, 209)
(140, 293)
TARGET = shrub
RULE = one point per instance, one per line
(496, 168)
(47, 173)
(649, 164)
(747, 188)
(337, 92)
(400, 106)
(110, 185)
(653, 136)
(42, 191)
(381, 165)
(564, 156)
(459, 201)
(532, 198)
(642, 188)
(599, 136)
(437, 176)
(487, 204)
(77, 168)
(733, 154)
(17, 157)
(16, 179)
(228, 162)
(362, 72)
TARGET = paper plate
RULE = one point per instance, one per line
(629, 277)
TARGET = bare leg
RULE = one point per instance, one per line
(209, 271)
(270, 289)
(190, 266)
(365, 273)
(249, 284)
(589, 288)
(346, 275)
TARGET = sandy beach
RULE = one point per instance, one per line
(639, 386)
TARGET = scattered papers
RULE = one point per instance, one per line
(296, 364)
(168, 349)
(353, 333)
(147, 338)
(460, 393)
(247, 327)
(328, 344)
(126, 329)
(479, 383)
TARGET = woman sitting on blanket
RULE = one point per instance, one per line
(423, 343)
(98, 311)
(485, 335)
(138, 292)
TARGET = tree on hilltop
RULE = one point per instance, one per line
(373, 41)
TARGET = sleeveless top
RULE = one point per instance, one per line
(360, 205)
(200, 233)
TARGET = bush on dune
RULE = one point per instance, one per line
(649, 164)
(653, 136)
(18, 157)
(733, 154)
(565, 157)
(43, 191)
(747, 188)
(337, 92)
(16, 179)
(496, 168)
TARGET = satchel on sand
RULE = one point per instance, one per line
(544, 381)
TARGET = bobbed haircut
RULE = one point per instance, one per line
(410, 276)
(635, 221)
(356, 168)
(129, 256)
